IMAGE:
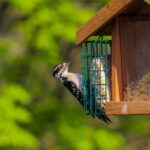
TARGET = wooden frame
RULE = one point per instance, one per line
(122, 45)
(112, 19)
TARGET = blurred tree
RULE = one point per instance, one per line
(12, 135)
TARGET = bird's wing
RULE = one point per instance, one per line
(71, 86)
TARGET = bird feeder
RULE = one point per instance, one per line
(116, 72)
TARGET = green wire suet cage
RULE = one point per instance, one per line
(96, 72)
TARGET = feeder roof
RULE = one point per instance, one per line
(102, 21)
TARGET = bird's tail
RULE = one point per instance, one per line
(102, 115)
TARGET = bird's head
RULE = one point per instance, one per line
(59, 70)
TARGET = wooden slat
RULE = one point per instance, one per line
(128, 107)
(106, 14)
(117, 88)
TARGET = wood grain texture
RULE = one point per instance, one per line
(128, 108)
(106, 14)
(117, 88)
(135, 42)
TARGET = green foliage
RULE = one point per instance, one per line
(88, 138)
(25, 6)
(11, 114)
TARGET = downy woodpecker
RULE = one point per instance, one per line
(73, 82)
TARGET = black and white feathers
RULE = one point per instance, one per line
(73, 82)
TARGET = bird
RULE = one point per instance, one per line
(73, 82)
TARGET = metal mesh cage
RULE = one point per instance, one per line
(96, 71)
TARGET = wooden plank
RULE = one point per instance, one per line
(128, 108)
(106, 14)
(117, 88)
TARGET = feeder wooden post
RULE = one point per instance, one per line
(117, 91)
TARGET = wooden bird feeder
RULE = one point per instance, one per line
(127, 55)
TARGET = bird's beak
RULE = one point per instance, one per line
(66, 65)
